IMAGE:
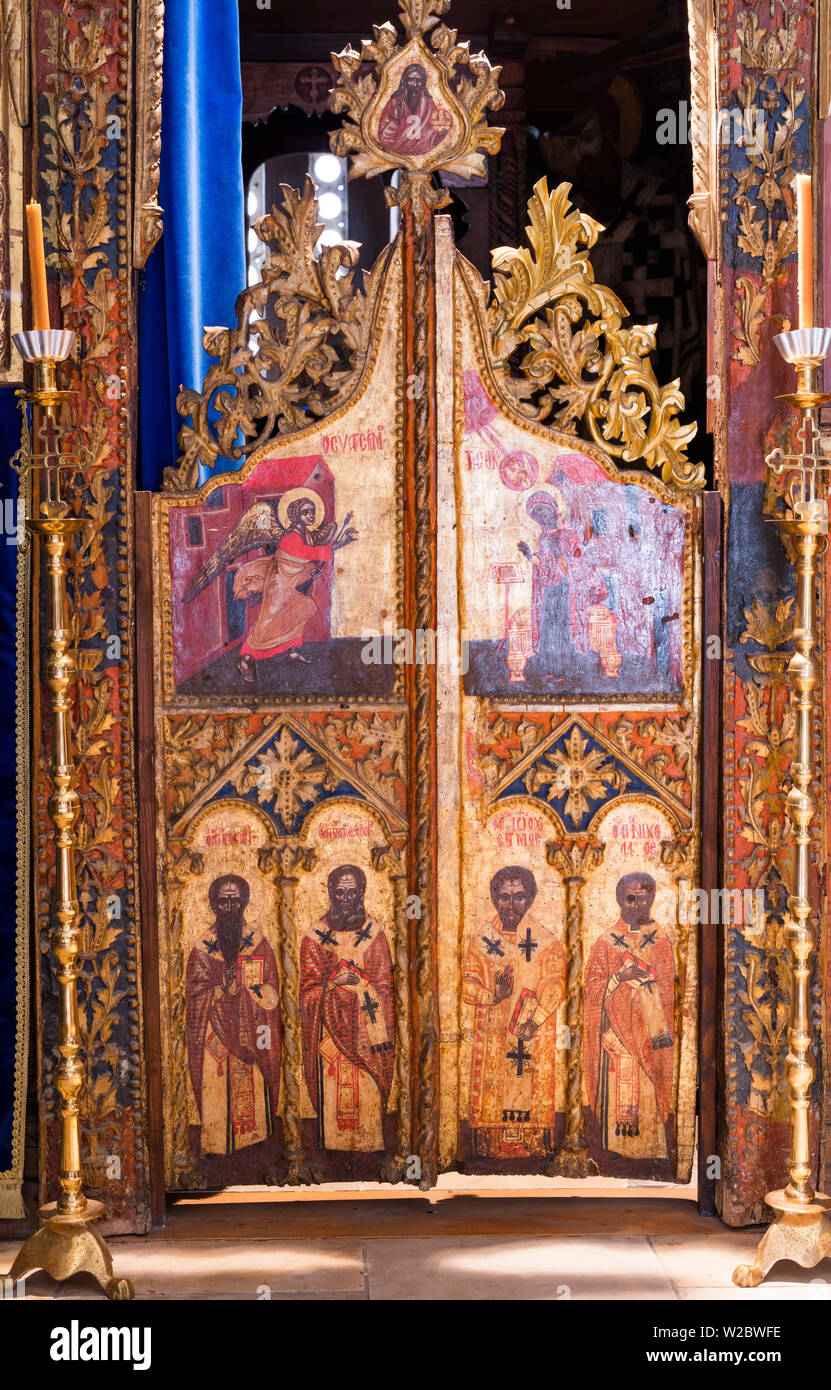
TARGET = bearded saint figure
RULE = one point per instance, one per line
(347, 1012)
(514, 976)
(411, 122)
(232, 1022)
(629, 1002)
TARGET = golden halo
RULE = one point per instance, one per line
(295, 494)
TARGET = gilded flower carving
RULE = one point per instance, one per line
(286, 776)
(579, 773)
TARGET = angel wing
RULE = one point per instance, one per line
(256, 527)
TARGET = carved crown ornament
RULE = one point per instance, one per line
(415, 108)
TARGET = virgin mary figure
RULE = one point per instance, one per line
(558, 606)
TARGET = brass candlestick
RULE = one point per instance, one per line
(799, 1231)
(65, 1244)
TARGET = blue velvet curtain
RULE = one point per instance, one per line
(195, 273)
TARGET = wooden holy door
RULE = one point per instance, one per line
(426, 696)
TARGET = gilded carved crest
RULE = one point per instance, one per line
(561, 353)
(298, 347)
(414, 107)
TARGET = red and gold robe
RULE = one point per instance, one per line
(412, 132)
(513, 1102)
(234, 1045)
(629, 1051)
(348, 1033)
(285, 611)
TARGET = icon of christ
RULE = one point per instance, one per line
(347, 1014)
(232, 1022)
(299, 547)
(412, 123)
(514, 976)
(629, 1001)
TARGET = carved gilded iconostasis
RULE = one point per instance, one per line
(295, 739)
(343, 905)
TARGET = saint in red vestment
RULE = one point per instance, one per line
(242, 1035)
(629, 1029)
(405, 130)
(348, 1031)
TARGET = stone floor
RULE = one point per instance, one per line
(465, 1240)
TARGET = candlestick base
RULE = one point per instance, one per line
(65, 1245)
(799, 1233)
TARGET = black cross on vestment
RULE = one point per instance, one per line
(648, 938)
(327, 937)
(620, 941)
(494, 947)
(519, 1057)
(363, 933)
(369, 1007)
(528, 945)
(211, 947)
(247, 941)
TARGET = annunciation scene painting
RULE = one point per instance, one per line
(277, 575)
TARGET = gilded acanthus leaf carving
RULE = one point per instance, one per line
(375, 745)
(771, 630)
(286, 777)
(298, 348)
(147, 215)
(461, 85)
(418, 16)
(770, 98)
(703, 203)
(562, 355)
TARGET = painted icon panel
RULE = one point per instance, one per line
(222, 1001)
(574, 580)
(267, 570)
(513, 985)
(348, 992)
